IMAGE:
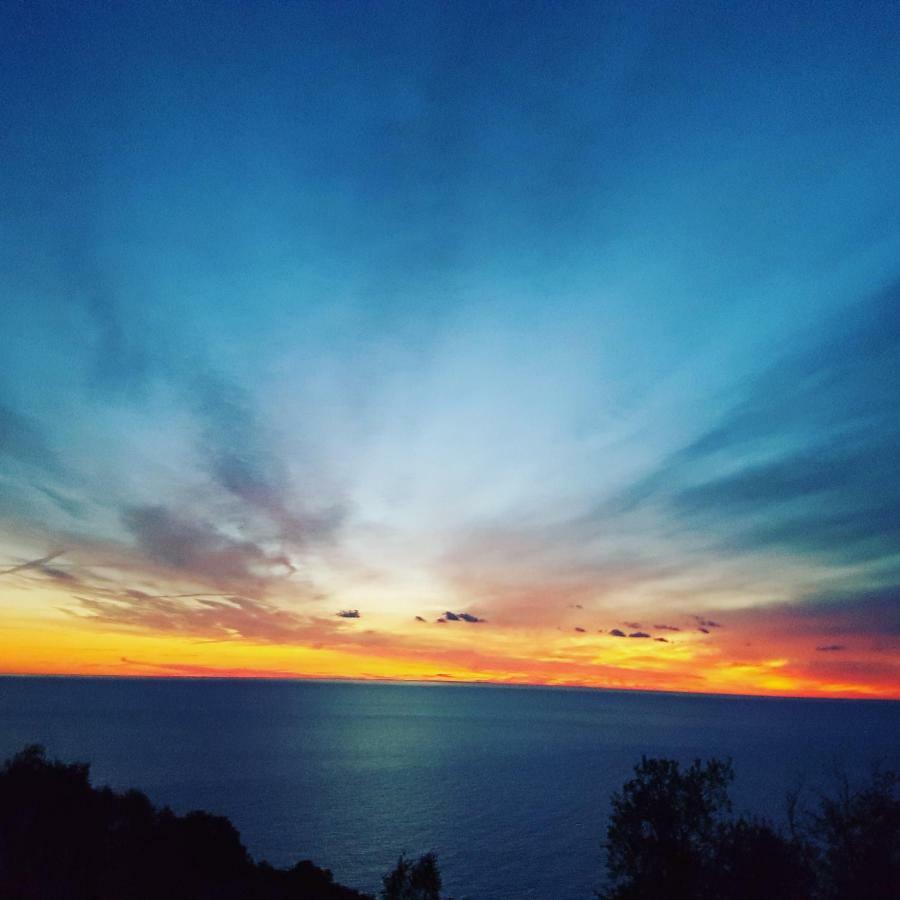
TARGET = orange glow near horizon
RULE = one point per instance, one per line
(52, 643)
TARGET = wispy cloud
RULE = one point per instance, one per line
(225, 618)
(39, 564)
(199, 548)
(805, 462)
(237, 448)
(23, 439)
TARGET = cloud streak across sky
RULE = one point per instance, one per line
(557, 322)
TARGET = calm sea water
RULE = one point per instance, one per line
(510, 786)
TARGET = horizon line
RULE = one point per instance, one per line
(450, 682)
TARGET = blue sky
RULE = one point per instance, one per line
(515, 308)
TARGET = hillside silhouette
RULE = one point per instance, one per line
(63, 839)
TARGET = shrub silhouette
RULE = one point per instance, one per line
(671, 837)
(418, 880)
(62, 839)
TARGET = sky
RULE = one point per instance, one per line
(511, 342)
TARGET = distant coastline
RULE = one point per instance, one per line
(313, 679)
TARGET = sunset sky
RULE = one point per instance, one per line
(452, 341)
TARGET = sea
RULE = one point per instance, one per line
(510, 786)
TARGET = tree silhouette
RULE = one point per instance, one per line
(671, 837)
(662, 834)
(859, 836)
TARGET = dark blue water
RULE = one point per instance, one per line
(509, 785)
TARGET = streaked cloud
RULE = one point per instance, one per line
(210, 618)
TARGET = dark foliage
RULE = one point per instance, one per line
(418, 880)
(664, 830)
(753, 861)
(672, 837)
(62, 839)
(859, 837)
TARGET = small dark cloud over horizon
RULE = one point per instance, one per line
(460, 617)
